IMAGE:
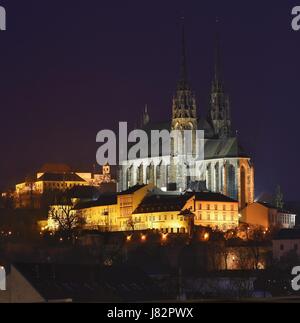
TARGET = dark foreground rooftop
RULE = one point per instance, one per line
(89, 283)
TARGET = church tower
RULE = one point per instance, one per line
(184, 113)
(184, 117)
(219, 113)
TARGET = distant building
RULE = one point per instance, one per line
(53, 178)
(268, 216)
(285, 242)
(215, 210)
(163, 212)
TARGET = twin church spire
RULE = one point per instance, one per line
(184, 111)
(219, 112)
(183, 81)
(184, 101)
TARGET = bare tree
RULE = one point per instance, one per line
(225, 252)
(68, 221)
(244, 258)
(131, 224)
(257, 237)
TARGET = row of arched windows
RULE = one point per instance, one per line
(160, 176)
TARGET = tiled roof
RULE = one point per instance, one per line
(60, 177)
(220, 148)
(271, 206)
(104, 199)
(213, 197)
(162, 203)
(132, 189)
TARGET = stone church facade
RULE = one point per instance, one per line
(225, 168)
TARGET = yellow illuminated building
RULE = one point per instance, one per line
(113, 212)
(56, 177)
(144, 207)
(162, 212)
(268, 216)
(28, 194)
(214, 210)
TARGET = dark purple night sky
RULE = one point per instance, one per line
(71, 68)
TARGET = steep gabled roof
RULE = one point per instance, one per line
(103, 200)
(132, 189)
(60, 177)
(221, 148)
(162, 203)
(89, 283)
(271, 206)
(212, 197)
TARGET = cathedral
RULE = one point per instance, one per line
(226, 168)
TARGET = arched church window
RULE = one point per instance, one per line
(217, 178)
(231, 182)
(208, 177)
(158, 171)
(140, 174)
(129, 176)
(243, 187)
(150, 174)
(172, 146)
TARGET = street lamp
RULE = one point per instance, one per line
(164, 237)
(206, 236)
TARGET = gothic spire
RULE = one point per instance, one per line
(184, 102)
(183, 82)
(219, 115)
(217, 81)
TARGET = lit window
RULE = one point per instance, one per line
(200, 216)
